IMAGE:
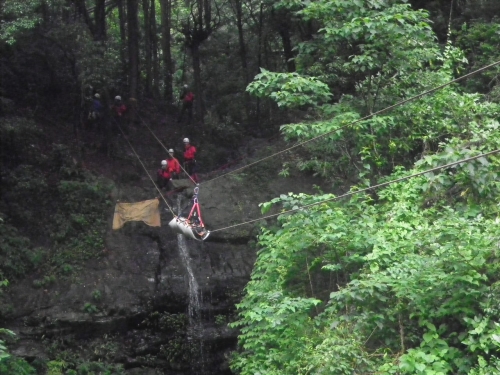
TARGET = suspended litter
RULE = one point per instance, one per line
(191, 226)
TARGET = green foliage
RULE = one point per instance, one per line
(480, 42)
(16, 366)
(96, 295)
(220, 320)
(289, 89)
(90, 308)
(10, 365)
(46, 281)
(17, 16)
(404, 284)
(18, 137)
(15, 251)
(3, 349)
(90, 368)
(176, 350)
(166, 322)
(380, 143)
(78, 221)
(379, 52)
(56, 367)
(70, 359)
(99, 63)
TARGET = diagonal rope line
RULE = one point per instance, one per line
(164, 147)
(400, 103)
(364, 190)
(143, 166)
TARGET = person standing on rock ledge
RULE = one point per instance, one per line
(163, 176)
(190, 159)
(173, 165)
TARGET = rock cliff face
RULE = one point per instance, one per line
(155, 302)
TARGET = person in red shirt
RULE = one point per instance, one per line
(118, 110)
(187, 98)
(190, 159)
(118, 107)
(163, 176)
(173, 165)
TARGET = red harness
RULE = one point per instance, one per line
(196, 207)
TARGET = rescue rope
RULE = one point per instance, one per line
(400, 103)
(364, 190)
(140, 161)
(165, 148)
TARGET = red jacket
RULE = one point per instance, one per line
(119, 109)
(189, 153)
(164, 173)
(173, 165)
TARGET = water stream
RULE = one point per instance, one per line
(195, 329)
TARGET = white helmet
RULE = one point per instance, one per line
(118, 97)
(171, 151)
(185, 140)
(97, 96)
(163, 162)
(185, 86)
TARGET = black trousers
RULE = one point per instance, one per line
(190, 167)
(186, 106)
(163, 183)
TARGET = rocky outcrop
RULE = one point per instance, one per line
(133, 306)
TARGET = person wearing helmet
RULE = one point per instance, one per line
(163, 176)
(187, 98)
(118, 110)
(173, 165)
(190, 159)
(96, 112)
(118, 107)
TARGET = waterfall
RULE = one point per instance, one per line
(195, 330)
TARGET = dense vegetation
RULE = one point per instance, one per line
(399, 281)
(405, 280)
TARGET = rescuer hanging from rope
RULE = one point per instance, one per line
(191, 226)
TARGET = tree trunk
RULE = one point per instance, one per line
(282, 22)
(123, 35)
(198, 28)
(259, 56)
(133, 54)
(287, 49)
(166, 24)
(239, 23)
(154, 44)
(200, 105)
(45, 12)
(238, 8)
(100, 20)
(82, 10)
(147, 45)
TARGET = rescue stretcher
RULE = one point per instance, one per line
(191, 226)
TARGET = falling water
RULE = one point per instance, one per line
(195, 330)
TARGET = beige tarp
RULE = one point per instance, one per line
(146, 211)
